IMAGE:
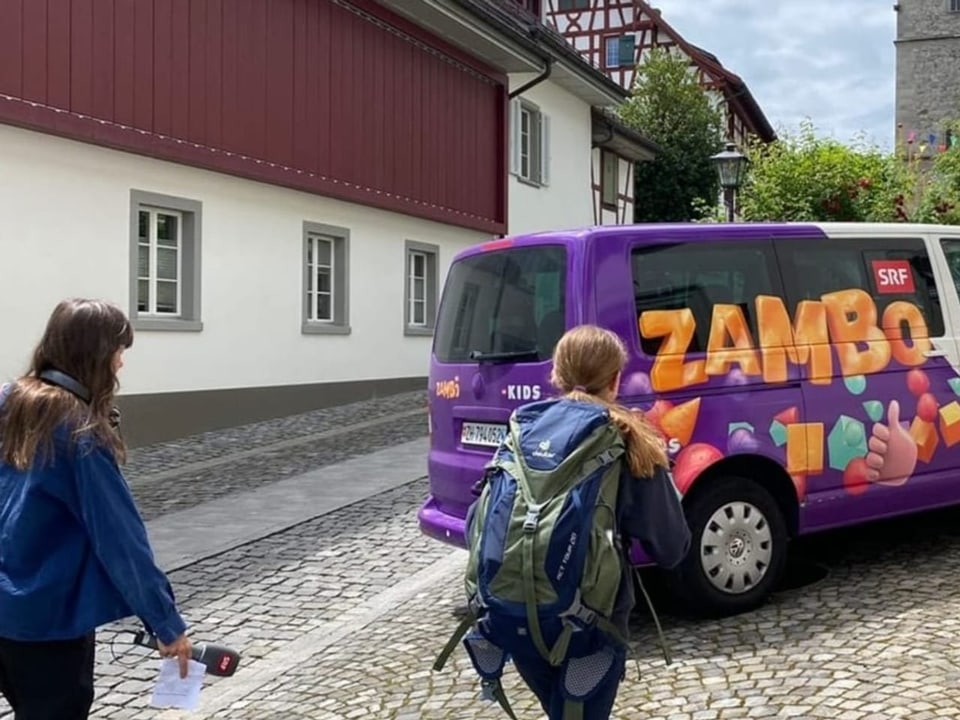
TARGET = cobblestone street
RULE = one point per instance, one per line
(342, 615)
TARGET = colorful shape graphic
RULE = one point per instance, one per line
(800, 485)
(805, 448)
(691, 461)
(788, 416)
(874, 410)
(954, 384)
(927, 407)
(679, 422)
(925, 435)
(734, 426)
(657, 411)
(636, 384)
(918, 382)
(855, 477)
(742, 441)
(778, 431)
(950, 423)
(846, 442)
(856, 384)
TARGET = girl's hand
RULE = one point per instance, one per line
(181, 648)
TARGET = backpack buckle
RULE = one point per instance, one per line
(532, 519)
(580, 612)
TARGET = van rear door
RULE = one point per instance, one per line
(502, 312)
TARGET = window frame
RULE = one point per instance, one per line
(608, 156)
(531, 145)
(573, 5)
(153, 278)
(863, 245)
(431, 255)
(953, 6)
(619, 40)
(190, 214)
(339, 239)
(608, 42)
(729, 247)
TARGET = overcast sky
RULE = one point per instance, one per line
(829, 60)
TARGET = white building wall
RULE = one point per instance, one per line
(566, 201)
(66, 211)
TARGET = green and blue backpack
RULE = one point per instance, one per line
(545, 555)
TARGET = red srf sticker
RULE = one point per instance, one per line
(893, 277)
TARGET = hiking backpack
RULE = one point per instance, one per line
(545, 555)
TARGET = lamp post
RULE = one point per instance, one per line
(730, 165)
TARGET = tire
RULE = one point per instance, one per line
(717, 578)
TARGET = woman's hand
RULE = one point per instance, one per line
(180, 649)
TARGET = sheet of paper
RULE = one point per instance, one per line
(173, 692)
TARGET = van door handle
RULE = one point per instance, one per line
(935, 353)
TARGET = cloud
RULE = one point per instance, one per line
(832, 61)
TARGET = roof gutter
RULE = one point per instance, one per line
(548, 68)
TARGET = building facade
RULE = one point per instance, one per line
(615, 36)
(272, 190)
(928, 71)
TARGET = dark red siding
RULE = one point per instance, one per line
(337, 97)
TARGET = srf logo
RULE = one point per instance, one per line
(448, 389)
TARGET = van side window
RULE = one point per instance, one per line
(888, 269)
(951, 251)
(698, 276)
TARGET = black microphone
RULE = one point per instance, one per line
(219, 661)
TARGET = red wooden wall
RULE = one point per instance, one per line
(337, 97)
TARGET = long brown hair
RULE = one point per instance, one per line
(81, 340)
(586, 362)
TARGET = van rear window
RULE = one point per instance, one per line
(503, 306)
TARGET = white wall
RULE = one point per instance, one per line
(567, 201)
(66, 210)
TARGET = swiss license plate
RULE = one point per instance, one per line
(486, 434)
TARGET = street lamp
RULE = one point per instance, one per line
(731, 164)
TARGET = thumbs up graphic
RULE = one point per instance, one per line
(892, 454)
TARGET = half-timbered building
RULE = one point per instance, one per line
(615, 35)
(273, 189)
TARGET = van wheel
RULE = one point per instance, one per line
(737, 552)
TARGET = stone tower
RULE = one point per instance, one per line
(928, 67)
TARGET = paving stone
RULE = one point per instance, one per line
(875, 639)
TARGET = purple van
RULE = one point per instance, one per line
(804, 376)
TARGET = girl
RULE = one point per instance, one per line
(587, 364)
(74, 553)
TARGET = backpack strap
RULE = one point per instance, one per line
(656, 620)
(573, 710)
(473, 612)
(493, 690)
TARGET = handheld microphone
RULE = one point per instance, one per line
(219, 661)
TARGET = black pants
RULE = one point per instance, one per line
(48, 680)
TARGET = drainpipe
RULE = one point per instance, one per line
(548, 68)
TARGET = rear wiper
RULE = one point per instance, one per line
(495, 357)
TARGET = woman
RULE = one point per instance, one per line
(587, 365)
(74, 552)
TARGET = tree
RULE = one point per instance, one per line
(670, 108)
(804, 177)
